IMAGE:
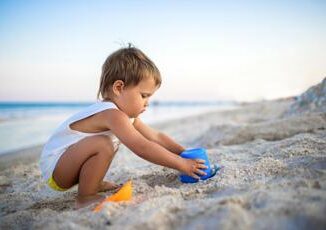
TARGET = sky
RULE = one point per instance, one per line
(205, 50)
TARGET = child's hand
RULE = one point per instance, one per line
(192, 167)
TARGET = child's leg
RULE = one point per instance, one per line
(85, 163)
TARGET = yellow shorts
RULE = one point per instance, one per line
(52, 184)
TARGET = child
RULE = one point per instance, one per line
(80, 151)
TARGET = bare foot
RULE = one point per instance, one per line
(107, 186)
(84, 201)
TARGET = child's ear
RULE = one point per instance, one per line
(117, 87)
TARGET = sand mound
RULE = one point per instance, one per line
(269, 130)
(313, 100)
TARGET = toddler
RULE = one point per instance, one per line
(81, 149)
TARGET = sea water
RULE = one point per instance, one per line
(24, 125)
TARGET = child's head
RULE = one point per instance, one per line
(129, 65)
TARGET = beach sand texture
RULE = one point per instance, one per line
(274, 176)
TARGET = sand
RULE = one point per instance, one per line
(274, 177)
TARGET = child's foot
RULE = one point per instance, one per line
(107, 186)
(84, 201)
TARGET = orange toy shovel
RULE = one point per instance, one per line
(124, 194)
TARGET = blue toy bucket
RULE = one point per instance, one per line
(198, 153)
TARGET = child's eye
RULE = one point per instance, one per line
(144, 95)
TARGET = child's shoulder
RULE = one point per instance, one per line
(113, 114)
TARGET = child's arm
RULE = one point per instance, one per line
(120, 125)
(158, 137)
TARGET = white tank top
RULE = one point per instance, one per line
(64, 136)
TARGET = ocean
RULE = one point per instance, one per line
(27, 124)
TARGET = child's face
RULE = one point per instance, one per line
(133, 100)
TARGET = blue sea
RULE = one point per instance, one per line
(27, 124)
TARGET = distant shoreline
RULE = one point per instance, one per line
(24, 125)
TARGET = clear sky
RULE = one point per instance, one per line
(205, 50)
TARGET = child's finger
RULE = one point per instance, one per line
(200, 161)
(201, 172)
(201, 166)
(195, 176)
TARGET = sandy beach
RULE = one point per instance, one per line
(274, 176)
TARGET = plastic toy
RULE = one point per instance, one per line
(124, 194)
(199, 153)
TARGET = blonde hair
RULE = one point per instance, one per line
(129, 65)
